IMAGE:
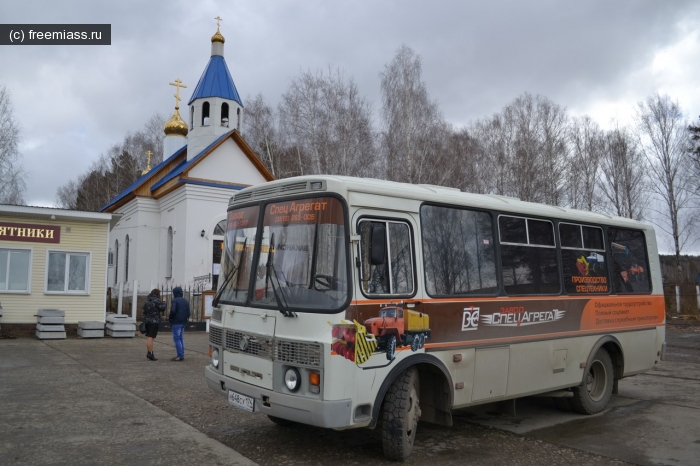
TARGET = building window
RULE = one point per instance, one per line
(205, 114)
(68, 272)
(126, 259)
(14, 269)
(238, 117)
(191, 117)
(169, 254)
(220, 228)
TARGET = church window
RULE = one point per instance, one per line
(116, 261)
(224, 114)
(169, 254)
(205, 114)
(238, 123)
(191, 117)
(126, 260)
(220, 228)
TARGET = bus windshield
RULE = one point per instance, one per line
(302, 263)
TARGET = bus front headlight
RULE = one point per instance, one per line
(292, 379)
(215, 357)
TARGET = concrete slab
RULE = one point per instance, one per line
(91, 325)
(51, 313)
(118, 318)
(56, 410)
(50, 335)
(50, 328)
(90, 333)
(120, 334)
(50, 319)
(121, 327)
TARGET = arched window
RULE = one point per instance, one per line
(192, 117)
(205, 114)
(238, 123)
(169, 254)
(224, 114)
(220, 228)
(116, 261)
(126, 259)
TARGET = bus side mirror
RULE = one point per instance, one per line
(378, 245)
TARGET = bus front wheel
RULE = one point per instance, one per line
(594, 394)
(400, 414)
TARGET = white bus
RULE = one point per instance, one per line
(350, 302)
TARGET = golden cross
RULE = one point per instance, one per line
(217, 22)
(178, 84)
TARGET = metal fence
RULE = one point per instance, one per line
(682, 299)
(194, 294)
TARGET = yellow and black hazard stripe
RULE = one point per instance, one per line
(365, 344)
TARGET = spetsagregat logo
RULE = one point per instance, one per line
(471, 317)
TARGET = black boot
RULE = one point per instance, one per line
(151, 356)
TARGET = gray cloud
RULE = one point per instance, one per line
(74, 102)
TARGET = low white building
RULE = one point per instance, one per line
(52, 259)
(173, 217)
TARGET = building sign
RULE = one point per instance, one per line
(30, 233)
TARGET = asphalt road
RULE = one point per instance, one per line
(100, 401)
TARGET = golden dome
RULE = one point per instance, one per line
(218, 37)
(175, 126)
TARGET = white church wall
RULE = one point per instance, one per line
(206, 206)
(228, 163)
(172, 215)
(200, 136)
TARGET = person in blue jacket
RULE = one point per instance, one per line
(179, 314)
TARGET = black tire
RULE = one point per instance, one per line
(400, 415)
(391, 347)
(281, 422)
(422, 341)
(594, 394)
(415, 344)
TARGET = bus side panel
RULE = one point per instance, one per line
(640, 350)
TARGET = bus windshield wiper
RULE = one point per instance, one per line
(276, 290)
(230, 275)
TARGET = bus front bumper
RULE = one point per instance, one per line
(330, 414)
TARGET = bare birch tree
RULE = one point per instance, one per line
(584, 163)
(413, 129)
(260, 132)
(622, 182)
(12, 174)
(662, 132)
(327, 125)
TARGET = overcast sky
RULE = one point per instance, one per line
(592, 57)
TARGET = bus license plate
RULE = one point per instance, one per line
(244, 402)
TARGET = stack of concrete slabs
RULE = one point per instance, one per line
(120, 326)
(91, 329)
(49, 324)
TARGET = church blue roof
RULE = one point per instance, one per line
(216, 81)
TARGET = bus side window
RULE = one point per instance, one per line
(386, 268)
(630, 266)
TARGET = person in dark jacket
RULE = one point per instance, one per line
(179, 314)
(152, 309)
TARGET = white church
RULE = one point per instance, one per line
(172, 219)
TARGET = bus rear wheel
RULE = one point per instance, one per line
(400, 414)
(594, 394)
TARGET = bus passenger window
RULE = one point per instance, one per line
(395, 274)
(458, 251)
(583, 259)
(630, 267)
(529, 263)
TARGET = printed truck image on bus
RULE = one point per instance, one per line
(396, 327)
(349, 303)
